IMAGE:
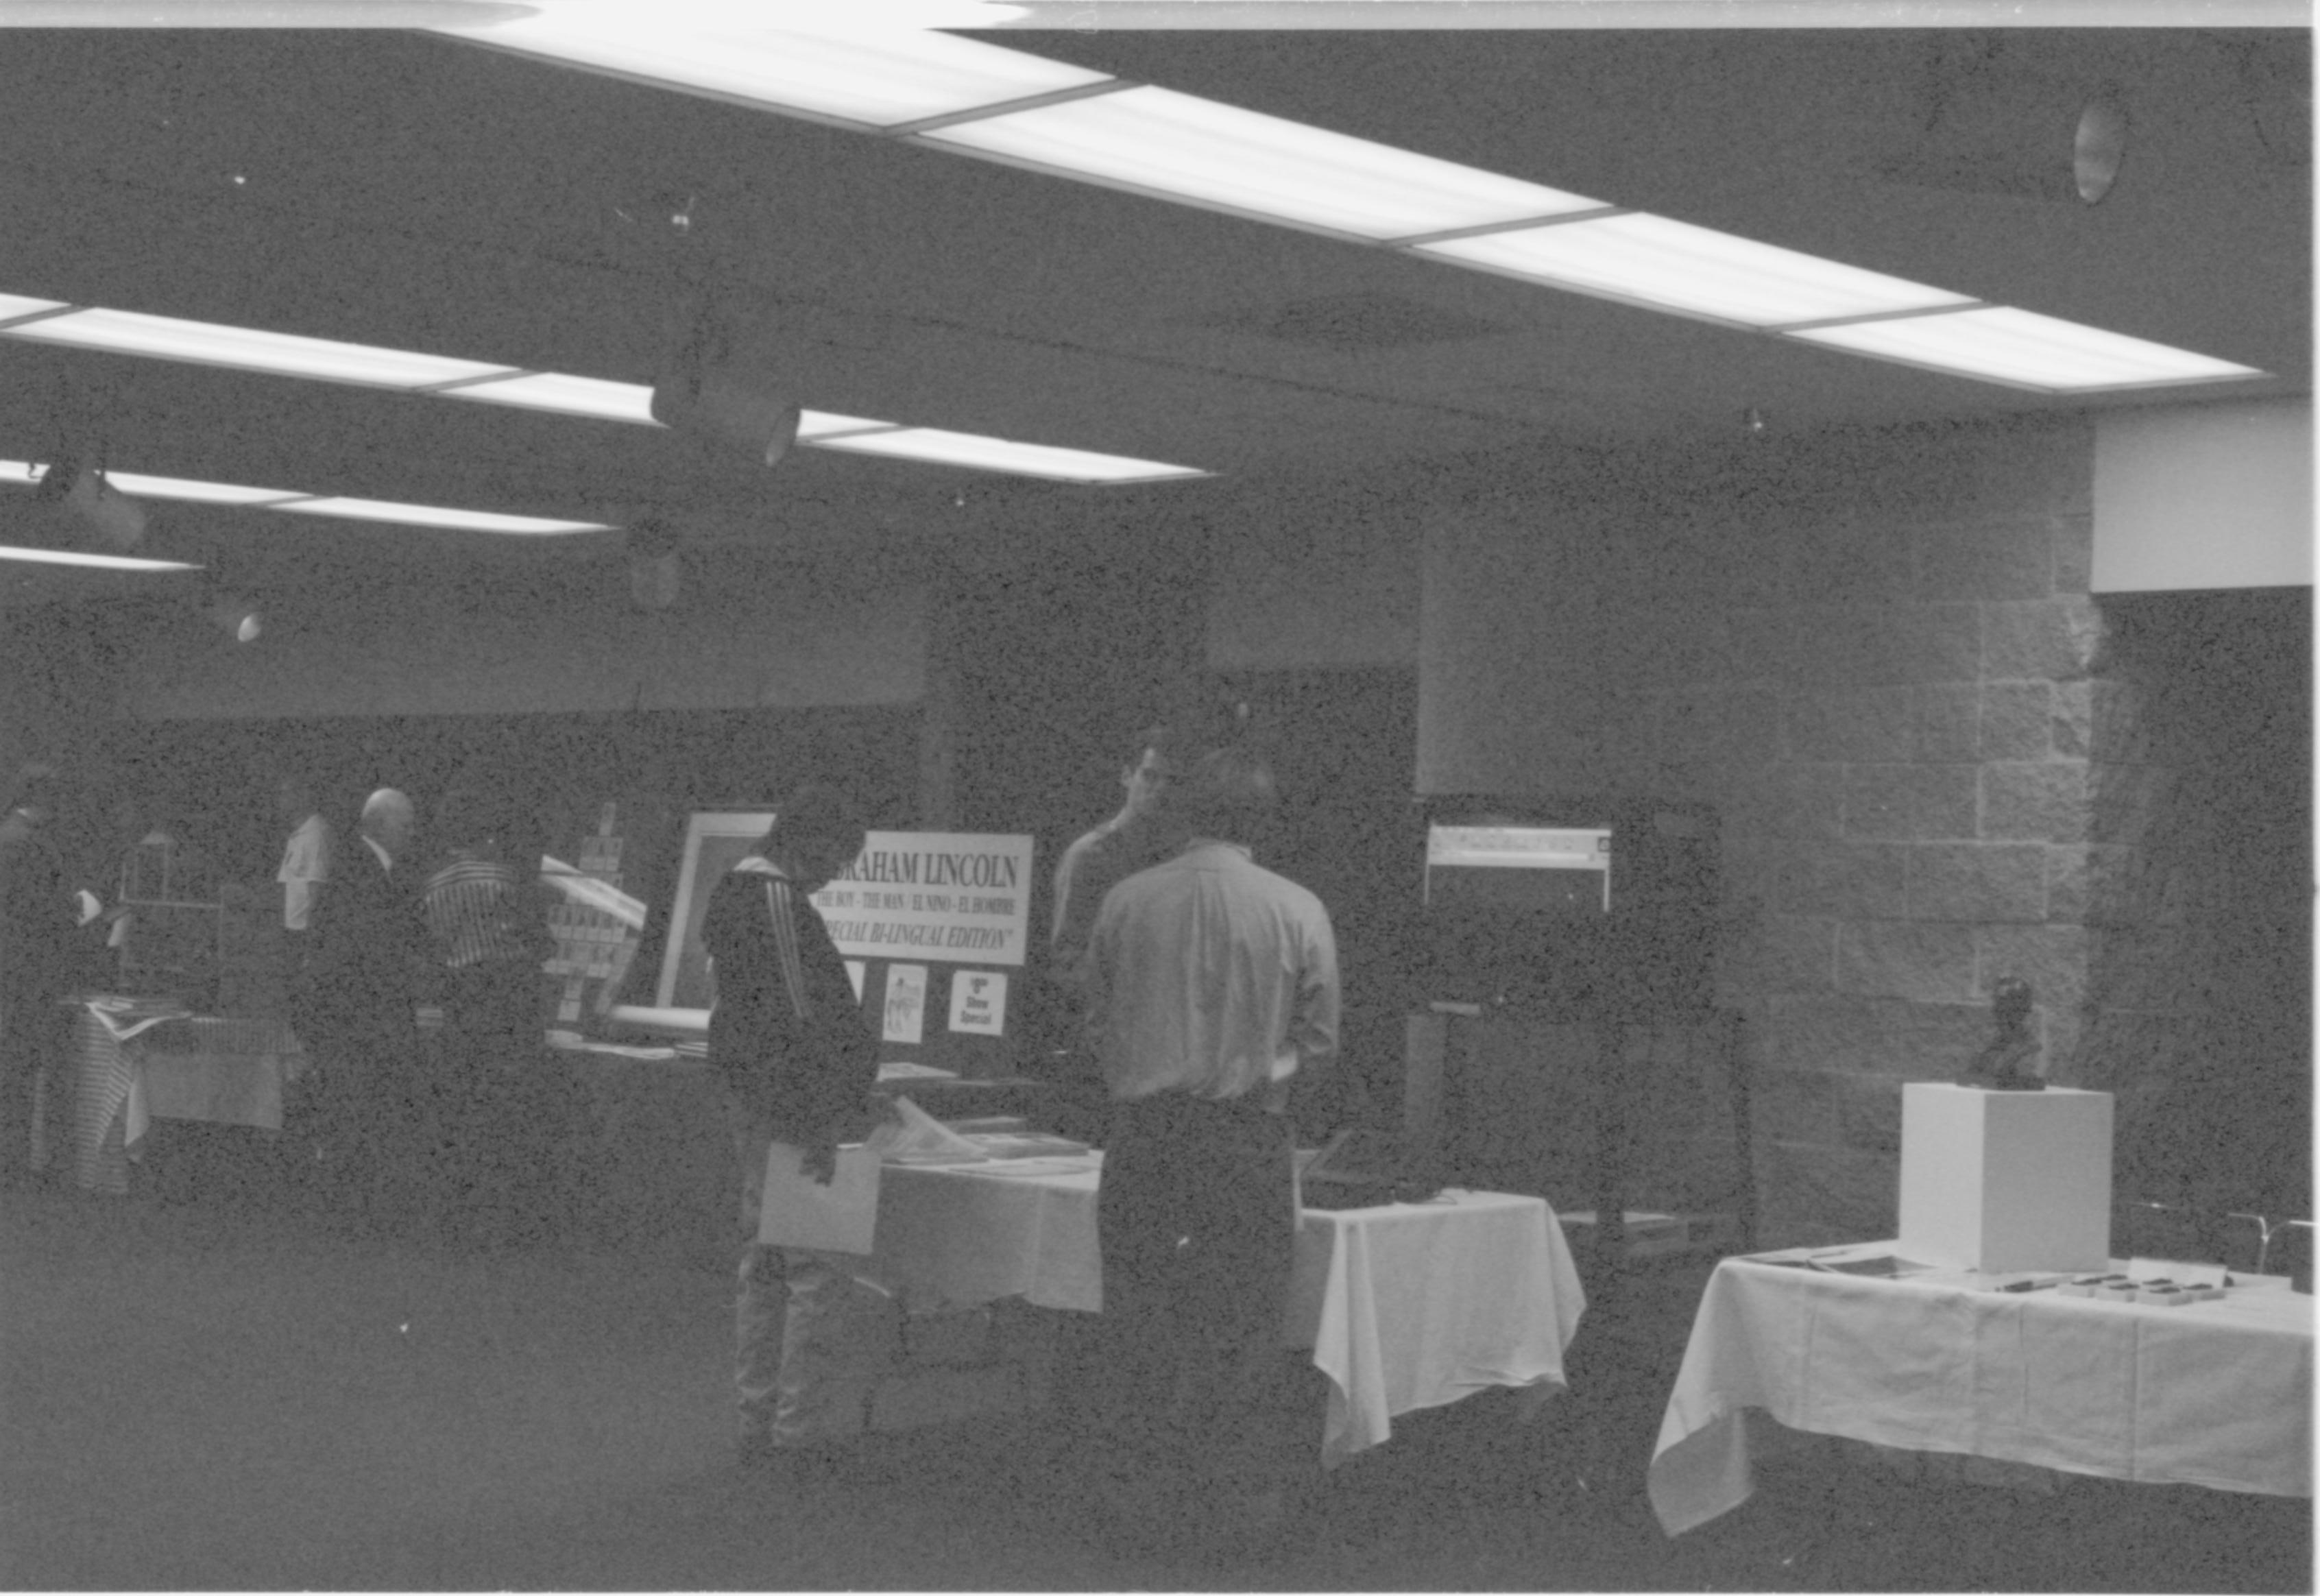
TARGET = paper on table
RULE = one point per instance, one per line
(798, 1210)
(921, 1138)
(1079, 1164)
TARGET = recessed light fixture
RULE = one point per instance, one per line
(998, 454)
(28, 474)
(433, 515)
(248, 348)
(1200, 152)
(197, 492)
(870, 77)
(99, 562)
(815, 425)
(1670, 265)
(2000, 344)
(19, 307)
(565, 395)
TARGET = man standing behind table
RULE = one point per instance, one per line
(38, 962)
(364, 1103)
(798, 1061)
(304, 868)
(1107, 854)
(1213, 983)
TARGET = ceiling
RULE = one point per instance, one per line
(419, 192)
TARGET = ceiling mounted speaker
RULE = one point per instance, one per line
(1989, 126)
(731, 393)
(2100, 146)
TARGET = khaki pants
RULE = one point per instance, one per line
(791, 1313)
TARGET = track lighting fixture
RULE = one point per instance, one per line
(727, 387)
(95, 510)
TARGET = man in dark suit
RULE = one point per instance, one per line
(37, 970)
(363, 1113)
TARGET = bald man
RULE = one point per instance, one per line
(361, 1124)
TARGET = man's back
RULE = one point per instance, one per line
(1211, 974)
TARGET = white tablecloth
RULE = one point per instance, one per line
(141, 1067)
(1405, 1306)
(2215, 1393)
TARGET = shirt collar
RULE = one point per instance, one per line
(385, 859)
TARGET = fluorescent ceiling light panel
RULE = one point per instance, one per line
(1180, 147)
(1997, 343)
(429, 515)
(13, 305)
(284, 354)
(997, 454)
(100, 562)
(815, 424)
(565, 395)
(199, 492)
(1697, 270)
(873, 78)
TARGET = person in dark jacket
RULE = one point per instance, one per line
(364, 1107)
(797, 1061)
(489, 921)
(39, 966)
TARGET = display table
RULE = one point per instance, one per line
(129, 1065)
(2215, 1393)
(1405, 1306)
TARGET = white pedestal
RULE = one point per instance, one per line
(2005, 1180)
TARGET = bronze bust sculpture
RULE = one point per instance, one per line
(2004, 1066)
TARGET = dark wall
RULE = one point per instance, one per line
(1340, 743)
(2201, 983)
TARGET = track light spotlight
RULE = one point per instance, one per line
(117, 522)
(236, 616)
(728, 388)
(2101, 145)
(232, 610)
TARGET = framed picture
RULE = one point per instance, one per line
(715, 840)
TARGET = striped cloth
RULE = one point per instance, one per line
(103, 1072)
(113, 1040)
(475, 908)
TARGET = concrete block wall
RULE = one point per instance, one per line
(1877, 655)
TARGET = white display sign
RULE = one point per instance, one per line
(906, 1004)
(961, 897)
(1518, 847)
(978, 1002)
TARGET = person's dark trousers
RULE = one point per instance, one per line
(1196, 1219)
(497, 1110)
(363, 1114)
(34, 1035)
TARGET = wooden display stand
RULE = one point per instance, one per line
(2005, 1180)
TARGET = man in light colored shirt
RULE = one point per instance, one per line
(1213, 983)
(305, 858)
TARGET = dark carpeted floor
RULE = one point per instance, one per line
(211, 1393)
